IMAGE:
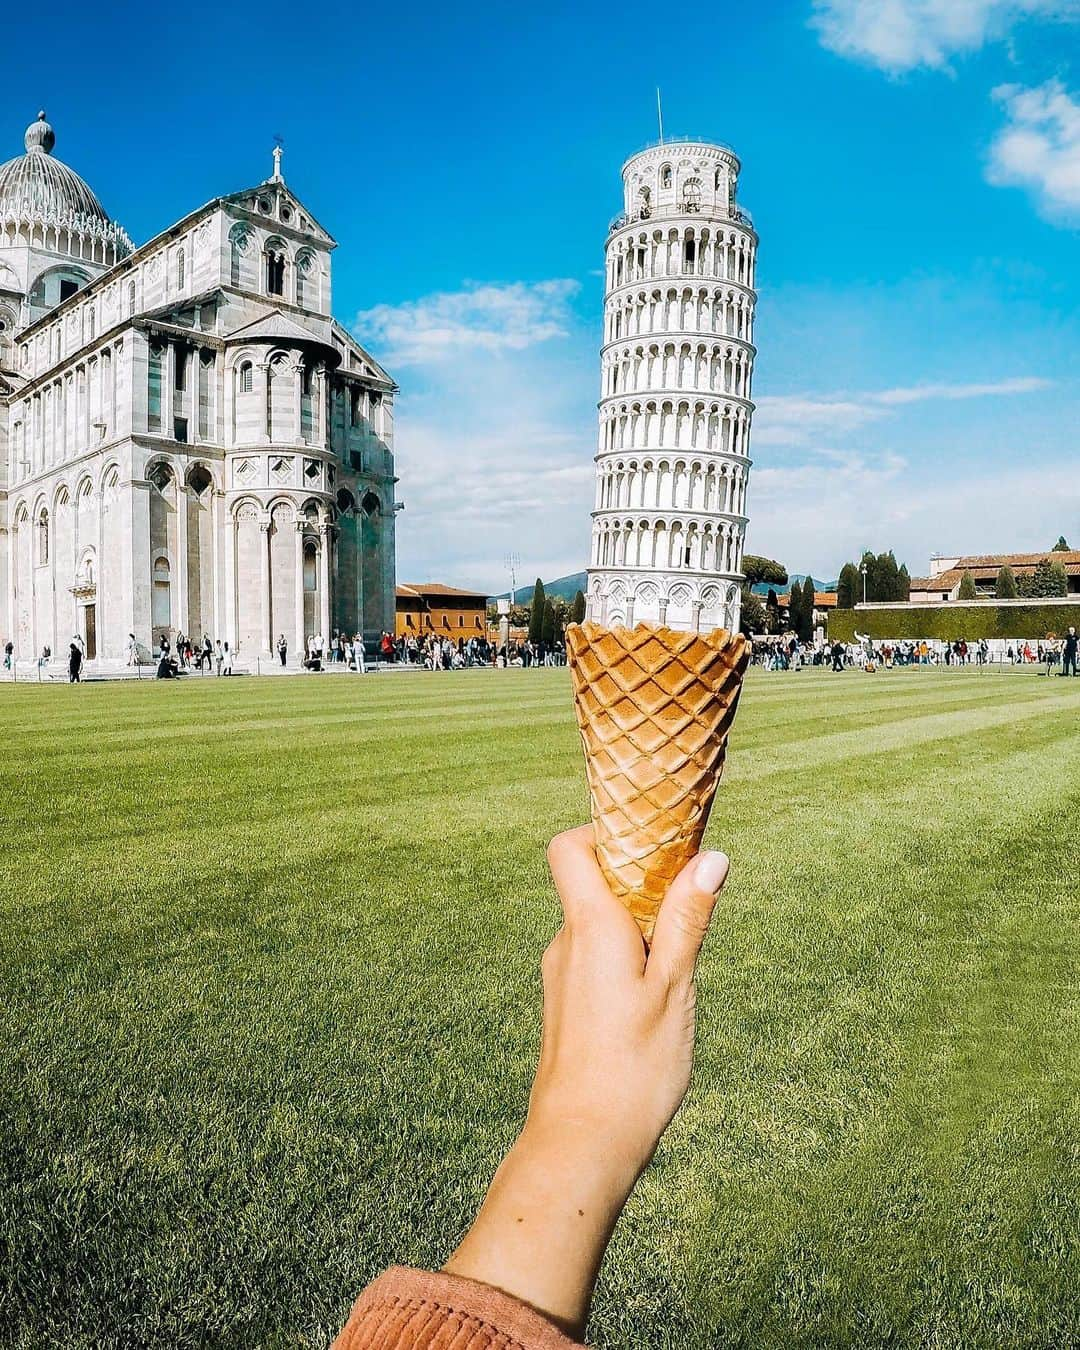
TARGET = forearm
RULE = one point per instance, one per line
(543, 1228)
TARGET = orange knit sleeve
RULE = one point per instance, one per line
(420, 1310)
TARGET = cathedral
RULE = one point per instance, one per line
(189, 441)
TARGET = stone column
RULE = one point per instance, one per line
(181, 557)
(300, 636)
(230, 582)
(696, 615)
(218, 500)
(138, 578)
(324, 580)
(264, 587)
(663, 609)
(261, 383)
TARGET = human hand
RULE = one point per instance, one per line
(618, 1041)
(615, 1060)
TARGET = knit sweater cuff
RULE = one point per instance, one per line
(415, 1309)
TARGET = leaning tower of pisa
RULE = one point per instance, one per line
(677, 357)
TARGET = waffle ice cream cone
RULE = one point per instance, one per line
(654, 707)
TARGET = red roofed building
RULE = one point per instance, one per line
(430, 608)
(943, 583)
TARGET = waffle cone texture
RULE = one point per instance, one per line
(654, 708)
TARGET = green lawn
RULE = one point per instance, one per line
(269, 1008)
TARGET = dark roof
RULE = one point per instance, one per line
(984, 567)
(436, 588)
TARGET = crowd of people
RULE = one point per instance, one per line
(1058, 656)
(439, 652)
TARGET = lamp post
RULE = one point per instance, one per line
(862, 570)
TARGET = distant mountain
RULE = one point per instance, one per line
(763, 587)
(563, 587)
(567, 587)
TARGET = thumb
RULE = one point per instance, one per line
(684, 917)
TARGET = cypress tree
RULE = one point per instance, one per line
(577, 612)
(1005, 587)
(772, 612)
(904, 583)
(548, 629)
(807, 614)
(1061, 546)
(967, 587)
(1060, 579)
(536, 613)
(847, 587)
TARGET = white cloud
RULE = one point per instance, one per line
(1039, 147)
(491, 318)
(818, 513)
(495, 430)
(899, 35)
(795, 419)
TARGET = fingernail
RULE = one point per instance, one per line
(711, 871)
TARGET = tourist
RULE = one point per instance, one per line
(131, 650)
(1068, 653)
(282, 648)
(617, 1049)
(75, 660)
(1050, 654)
(838, 656)
(228, 659)
(208, 650)
(359, 657)
(219, 657)
(9, 654)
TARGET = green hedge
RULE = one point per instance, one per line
(950, 622)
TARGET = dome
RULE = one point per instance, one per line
(36, 186)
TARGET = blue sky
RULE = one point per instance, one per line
(913, 168)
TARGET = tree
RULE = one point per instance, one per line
(967, 587)
(805, 625)
(536, 613)
(577, 610)
(1045, 581)
(1061, 546)
(752, 616)
(757, 571)
(1005, 586)
(904, 583)
(847, 587)
(772, 612)
(548, 627)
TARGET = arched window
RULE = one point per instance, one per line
(43, 538)
(305, 290)
(239, 243)
(692, 194)
(665, 176)
(245, 378)
(180, 263)
(161, 599)
(275, 269)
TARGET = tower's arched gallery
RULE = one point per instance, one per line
(673, 461)
(189, 442)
